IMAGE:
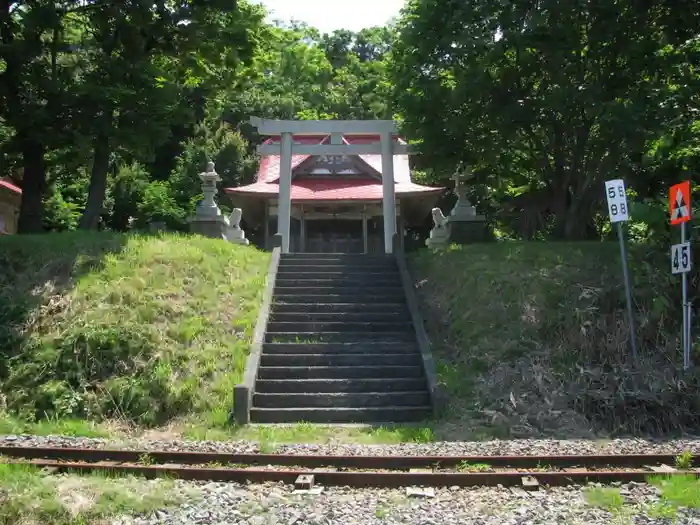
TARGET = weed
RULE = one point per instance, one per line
(663, 510)
(465, 466)
(27, 496)
(678, 491)
(607, 498)
(684, 460)
(610, 499)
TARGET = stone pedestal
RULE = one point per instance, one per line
(440, 234)
(466, 226)
(214, 227)
(234, 233)
(467, 232)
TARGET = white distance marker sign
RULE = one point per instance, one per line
(680, 258)
(617, 200)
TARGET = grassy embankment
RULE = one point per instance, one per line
(103, 333)
(531, 340)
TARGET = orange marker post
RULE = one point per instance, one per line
(680, 213)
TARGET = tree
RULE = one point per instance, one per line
(544, 99)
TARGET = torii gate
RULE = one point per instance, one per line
(287, 129)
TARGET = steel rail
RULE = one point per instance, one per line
(354, 462)
(357, 479)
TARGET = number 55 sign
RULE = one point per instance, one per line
(617, 200)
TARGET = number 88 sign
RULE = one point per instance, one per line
(617, 200)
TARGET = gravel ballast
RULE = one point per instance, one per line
(271, 504)
(518, 447)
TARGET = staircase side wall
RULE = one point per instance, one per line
(243, 392)
(438, 396)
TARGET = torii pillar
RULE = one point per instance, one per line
(287, 129)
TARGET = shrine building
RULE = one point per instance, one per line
(336, 198)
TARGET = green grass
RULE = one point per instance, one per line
(137, 329)
(10, 425)
(676, 492)
(269, 436)
(513, 298)
(679, 491)
(530, 340)
(27, 496)
(608, 498)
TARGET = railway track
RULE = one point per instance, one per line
(360, 471)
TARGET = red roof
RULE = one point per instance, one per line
(10, 187)
(328, 187)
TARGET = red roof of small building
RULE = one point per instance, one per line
(332, 187)
(10, 186)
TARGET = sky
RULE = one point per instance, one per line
(328, 15)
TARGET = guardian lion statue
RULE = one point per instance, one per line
(439, 220)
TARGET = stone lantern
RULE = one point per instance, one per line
(466, 225)
(208, 219)
(207, 207)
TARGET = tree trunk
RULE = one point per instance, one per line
(31, 211)
(90, 219)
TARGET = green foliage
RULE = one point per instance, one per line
(141, 329)
(544, 102)
(535, 338)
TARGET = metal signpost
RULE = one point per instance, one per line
(619, 213)
(679, 205)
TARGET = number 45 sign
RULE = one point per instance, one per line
(617, 200)
(680, 258)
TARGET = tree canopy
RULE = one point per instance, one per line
(109, 109)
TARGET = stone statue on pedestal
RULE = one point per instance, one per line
(440, 234)
(234, 233)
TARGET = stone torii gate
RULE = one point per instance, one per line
(387, 147)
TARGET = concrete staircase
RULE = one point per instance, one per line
(340, 346)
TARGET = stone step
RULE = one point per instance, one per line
(312, 289)
(342, 400)
(306, 296)
(339, 308)
(385, 384)
(388, 264)
(331, 270)
(344, 256)
(340, 282)
(337, 359)
(356, 317)
(340, 326)
(338, 372)
(338, 337)
(340, 415)
(367, 347)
